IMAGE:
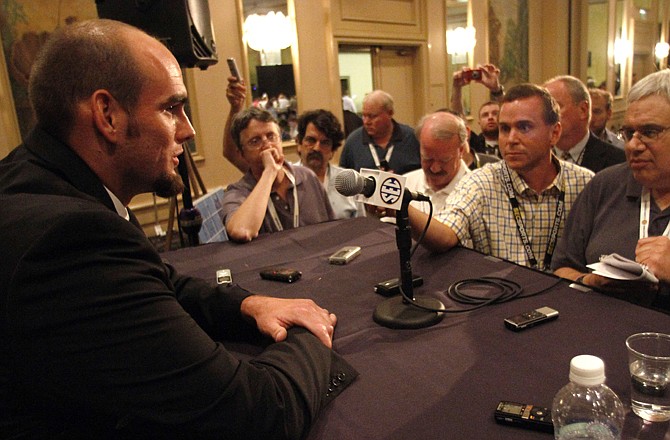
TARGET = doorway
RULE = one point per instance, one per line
(393, 69)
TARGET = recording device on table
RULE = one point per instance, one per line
(524, 416)
(234, 71)
(223, 276)
(392, 287)
(345, 255)
(530, 319)
(283, 274)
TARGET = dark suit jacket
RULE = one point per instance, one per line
(102, 339)
(599, 155)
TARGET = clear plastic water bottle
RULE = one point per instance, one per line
(586, 408)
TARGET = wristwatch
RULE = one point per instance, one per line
(580, 279)
(499, 92)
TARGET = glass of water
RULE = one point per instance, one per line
(649, 366)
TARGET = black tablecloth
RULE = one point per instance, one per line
(444, 381)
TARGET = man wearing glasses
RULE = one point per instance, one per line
(273, 195)
(443, 140)
(626, 208)
(319, 136)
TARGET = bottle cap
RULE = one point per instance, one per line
(587, 370)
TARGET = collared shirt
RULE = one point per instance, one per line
(314, 204)
(416, 181)
(120, 209)
(480, 214)
(343, 206)
(574, 154)
(405, 156)
(613, 138)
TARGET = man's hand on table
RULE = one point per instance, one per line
(274, 316)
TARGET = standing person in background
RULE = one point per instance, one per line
(319, 136)
(601, 112)
(487, 75)
(100, 337)
(577, 144)
(381, 142)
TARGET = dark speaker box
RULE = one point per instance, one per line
(184, 26)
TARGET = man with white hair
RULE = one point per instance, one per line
(626, 208)
(381, 142)
(443, 141)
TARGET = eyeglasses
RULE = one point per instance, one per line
(256, 142)
(311, 141)
(644, 134)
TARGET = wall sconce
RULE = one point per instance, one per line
(461, 41)
(268, 34)
(661, 50)
(623, 49)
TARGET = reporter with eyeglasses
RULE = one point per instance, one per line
(273, 195)
(625, 209)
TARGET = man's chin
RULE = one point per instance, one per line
(169, 185)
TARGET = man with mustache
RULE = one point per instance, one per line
(273, 195)
(626, 208)
(512, 209)
(443, 140)
(319, 136)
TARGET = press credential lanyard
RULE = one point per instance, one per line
(296, 208)
(645, 209)
(521, 228)
(387, 157)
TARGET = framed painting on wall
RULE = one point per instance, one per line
(24, 27)
(508, 39)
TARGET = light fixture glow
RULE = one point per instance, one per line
(461, 40)
(268, 33)
(661, 50)
(623, 49)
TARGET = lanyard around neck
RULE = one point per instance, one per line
(387, 157)
(296, 207)
(521, 228)
(645, 209)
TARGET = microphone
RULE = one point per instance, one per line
(350, 183)
(388, 191)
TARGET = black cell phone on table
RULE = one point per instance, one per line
(530, 319)
(281, 274)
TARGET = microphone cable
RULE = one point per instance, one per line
(504, 290)
(507, 290)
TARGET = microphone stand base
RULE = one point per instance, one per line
(397, 313)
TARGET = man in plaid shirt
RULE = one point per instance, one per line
(513, 209)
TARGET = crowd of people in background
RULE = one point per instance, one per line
(546, 185)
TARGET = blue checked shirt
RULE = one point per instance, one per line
(479, 210)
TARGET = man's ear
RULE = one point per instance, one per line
(585, 109)
(107, 115)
